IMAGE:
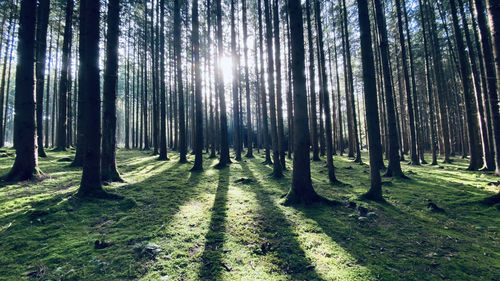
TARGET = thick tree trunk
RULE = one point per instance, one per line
(90, 185)
(26, 163)
(301, 190)
(370, 90)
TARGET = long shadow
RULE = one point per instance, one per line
(68, 228)
(212, 263)
(281, 241)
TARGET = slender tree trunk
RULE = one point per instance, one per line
(277, 169)
(394, 168)
(312, 85)
(406, 74)
(41, 47)
(64, 83)
(109, 173)
(180, 89)
(265, 123)
(163, 120)
(236, 111)
(224, 145)
(198, 141)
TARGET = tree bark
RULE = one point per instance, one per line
(109, 172)
(26, 163)
(370, 91)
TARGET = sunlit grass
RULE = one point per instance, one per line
(208, 225)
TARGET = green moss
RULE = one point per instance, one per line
(213, 225)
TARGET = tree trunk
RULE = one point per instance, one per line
(41, 47)
(90, 185)
(301, 190)
(26, 163)
(109, 172)
(277, 169)
(370, 90)
(198, 141)
(394, 168)
(312, 86)
(64, 82)
(323, 89)
(470, 103)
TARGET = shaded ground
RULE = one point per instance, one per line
(229, 225)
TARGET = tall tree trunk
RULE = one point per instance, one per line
(406, 75)
(235, 86)
(312, 85)
(26, 163)
(163, 120)
(394, 168)
(224, 142)
(323, 89)
(90, 185)
(262, 89)
(279, 98)
(351, 112)
(64, 82)
(301, 190)
(429, 87)
(491, 74)
(370, 90)
(180, 89)
(41, 47)
(198, 141)
(247, 82)
(277, 169)
(470, 103)
(109, 172)
(441, 87)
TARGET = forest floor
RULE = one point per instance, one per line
(230, 224)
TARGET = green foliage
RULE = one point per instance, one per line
(229, 225)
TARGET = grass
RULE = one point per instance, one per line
(212, 225)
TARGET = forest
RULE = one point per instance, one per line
(249, 140)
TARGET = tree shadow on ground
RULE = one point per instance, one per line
(280, 242)
(212, 257)
(60, 227)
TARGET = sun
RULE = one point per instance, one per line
(226, 64)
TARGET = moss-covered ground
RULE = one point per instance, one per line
(229, 225)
